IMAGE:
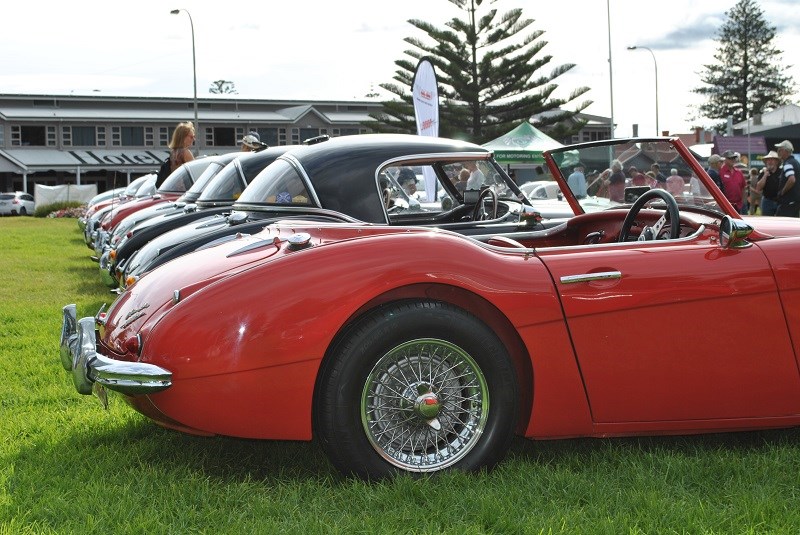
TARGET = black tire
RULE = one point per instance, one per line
(416, 387)
(23, 211)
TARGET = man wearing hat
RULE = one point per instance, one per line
(768, 183)
(788, 190)
(733, 182)
(251, 142)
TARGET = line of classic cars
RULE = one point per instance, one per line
(414, 335)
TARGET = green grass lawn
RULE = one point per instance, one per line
(68, 466)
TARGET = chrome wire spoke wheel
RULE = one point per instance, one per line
(424, 405)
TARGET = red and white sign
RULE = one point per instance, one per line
(426, 111)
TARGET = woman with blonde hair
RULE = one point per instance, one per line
(182, 139)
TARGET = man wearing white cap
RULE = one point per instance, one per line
(768, 183)
(788, 191)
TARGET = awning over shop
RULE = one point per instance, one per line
(29, 160)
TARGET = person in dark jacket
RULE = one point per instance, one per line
(788, 190)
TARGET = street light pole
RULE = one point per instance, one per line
(655, 66)
(194, 65)
(610, 70)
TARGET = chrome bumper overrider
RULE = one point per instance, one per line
(91, 370)
(106, 270)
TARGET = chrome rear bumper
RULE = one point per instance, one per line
(91, 370)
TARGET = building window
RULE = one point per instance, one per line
(83, 136)
(101, 136)
(307, 133)
(348, 131)
(282, 136)
(66, 135)
(295, 136)
(221, 136)
(163, 136)
(269, 136)
(132, 136)
(149, 136)
(31, 136)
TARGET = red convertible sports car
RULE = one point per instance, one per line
(426, 341)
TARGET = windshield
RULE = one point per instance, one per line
(147, 187)
(178, 181)
(601, 176)
(134, 186)
(278, 183)
(441, 186)
(226, 186)
(203, 180)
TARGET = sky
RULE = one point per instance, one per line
(312, 50)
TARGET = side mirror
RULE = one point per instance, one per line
(733, 233)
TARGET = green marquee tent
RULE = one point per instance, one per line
(524, 144)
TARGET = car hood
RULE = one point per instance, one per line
(121, 212)
(774, 226)
(169, 284)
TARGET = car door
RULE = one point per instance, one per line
(676, 331)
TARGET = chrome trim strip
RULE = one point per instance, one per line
(588, 277)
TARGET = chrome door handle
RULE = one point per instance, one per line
(588, 277)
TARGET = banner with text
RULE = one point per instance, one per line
(425, 93)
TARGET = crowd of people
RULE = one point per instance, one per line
(612, 182)
(771, 191)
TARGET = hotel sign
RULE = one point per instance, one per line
(116, 159)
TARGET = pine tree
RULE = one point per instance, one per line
(488, 74)
(749, 76)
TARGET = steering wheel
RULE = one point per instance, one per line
(651, 233)
(479, 214)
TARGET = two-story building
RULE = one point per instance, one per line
(66, 139)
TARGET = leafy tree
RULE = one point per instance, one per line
(749, 76)
(489, 77)
(222, 87)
